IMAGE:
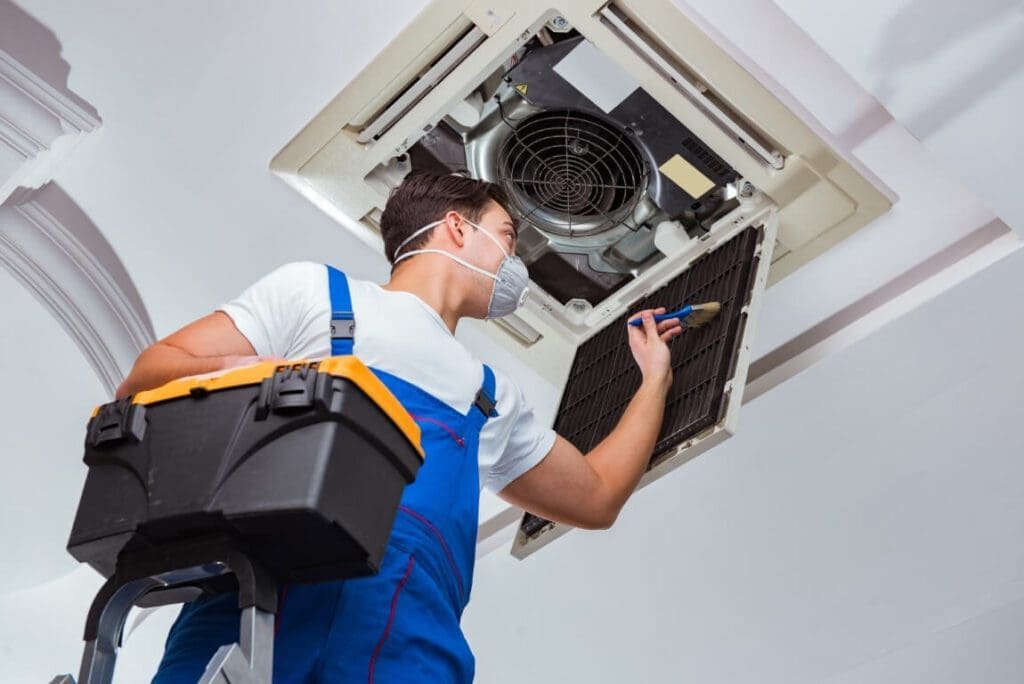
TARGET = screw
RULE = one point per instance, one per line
(560, 23)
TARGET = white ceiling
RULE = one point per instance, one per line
(863, 526)
(951, 72)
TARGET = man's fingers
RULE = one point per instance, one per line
(669, 334)
(650, 327)
(668, 324)
(638, 316)
(636, 335)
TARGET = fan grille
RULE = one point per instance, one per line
(571, 173)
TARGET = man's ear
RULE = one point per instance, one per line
(454, 225)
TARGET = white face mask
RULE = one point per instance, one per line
(510, 282)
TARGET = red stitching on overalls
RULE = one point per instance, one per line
(391, 616)
(444, 544)
(280, 609)
(458, 440)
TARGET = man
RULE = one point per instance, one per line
(451, 241)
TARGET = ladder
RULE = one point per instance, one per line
(178, 572)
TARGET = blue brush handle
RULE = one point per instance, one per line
(658, 318)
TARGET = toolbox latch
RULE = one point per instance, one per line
(117, 420)
(289, 389)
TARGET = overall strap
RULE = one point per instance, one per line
(486, 397)
(343, 324)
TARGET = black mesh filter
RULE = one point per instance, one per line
(605, 377)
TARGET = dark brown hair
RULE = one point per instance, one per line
(426, 197)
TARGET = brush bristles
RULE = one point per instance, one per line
(702, 313)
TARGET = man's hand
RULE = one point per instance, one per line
(589, 490)
(649, 344)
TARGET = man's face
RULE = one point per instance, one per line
(481, 250)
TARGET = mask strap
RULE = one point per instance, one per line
(408, 239)
(493, 239)
(450, 256)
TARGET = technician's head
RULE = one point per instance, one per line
(467, 223)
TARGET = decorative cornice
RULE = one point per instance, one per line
(49, 244)
(77, 117)
(34, 114)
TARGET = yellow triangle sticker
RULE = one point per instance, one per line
(521, 89)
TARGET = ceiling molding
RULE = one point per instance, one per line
(52, 247)
(34, 115)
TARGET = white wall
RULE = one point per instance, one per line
(196, 98)
(48, 393)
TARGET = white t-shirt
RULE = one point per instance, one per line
(287, 313)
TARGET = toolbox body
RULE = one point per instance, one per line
(302, 464)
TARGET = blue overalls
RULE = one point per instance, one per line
(401, 625)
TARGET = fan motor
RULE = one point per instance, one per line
(571, 173)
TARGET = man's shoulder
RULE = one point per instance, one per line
(301, 269)
(506, 389)
(294, 281)
(293, 272)
(308, 267)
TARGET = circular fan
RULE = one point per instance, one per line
(571, 173)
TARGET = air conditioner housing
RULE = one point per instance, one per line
(636, 149)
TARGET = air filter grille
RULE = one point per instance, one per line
(604, 376)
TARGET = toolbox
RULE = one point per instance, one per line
(301, 464)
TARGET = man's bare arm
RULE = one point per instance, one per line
(589, 491)
(208, 344)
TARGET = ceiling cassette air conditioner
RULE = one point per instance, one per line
(647, 167)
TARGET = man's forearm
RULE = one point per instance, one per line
(622, 457)
(162, 363)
